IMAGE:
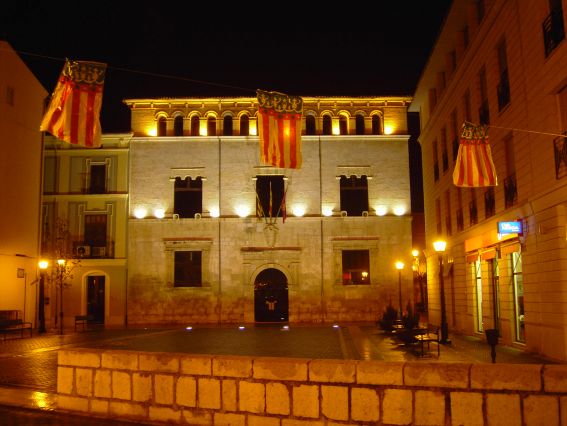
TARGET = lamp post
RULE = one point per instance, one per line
(61, 265)
(440, 247)
(399, 267)
(43, 265)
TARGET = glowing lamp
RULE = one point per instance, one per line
(159, 213)
(298, 210)
(215, 212)
(140, 212)
(399, 210)
(242, 210)
(43, 264)
(327, 211)
(381, 210)
(388, 130)
(415, 252)
(440, 246)
(152, 131)
(399, 265)
(252, 128)
(61, 262)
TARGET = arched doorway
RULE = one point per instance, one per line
(270, 296)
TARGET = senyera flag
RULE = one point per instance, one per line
(279, 127)
(74, 110)
(474, 166)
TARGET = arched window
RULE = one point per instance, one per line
(244, 125)
(343, 125)
(226, 126)
(360, 124)
(310, 128)
(327, 125)
(376, 125)
(211, 126)
(195, 126)
(161, 126)
(178, 126)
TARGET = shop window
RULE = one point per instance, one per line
(354, 195)
(188, 269)
(356, 267)
(270, 196)
(188, 197)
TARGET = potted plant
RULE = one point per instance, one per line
(389, 318)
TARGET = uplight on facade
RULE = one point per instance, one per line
(159, 213)
(381, 210)
(327, 211)
(298, 210)
(215, 212)
(242, 210)
(399, 210)
(140, 212)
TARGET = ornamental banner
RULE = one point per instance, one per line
(74, 110)
(474, 166)
(279, 128)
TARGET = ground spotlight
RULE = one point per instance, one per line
(336, 326)
(241, 327)
(189, 328)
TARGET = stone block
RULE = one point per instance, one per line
(555, 378)
(277, 398)
(197, 418)
(466, 409)
(429, 408)
(397, 407)
(73, 403)
(503, 409)
(332, 371)
(229, 402)
(65, 379)
(78, 358)
(305, 401)
(186, 391)
(141, 387)
(208, 393)
(263, 421)
(163, 389)
(99, 406)
(334, 402)
(252, 397)
(120, 360)
(127, 409)
(294, 422)
(280, 369)
(159, 363)
(232, 366)
(84, 381)
(364, 405)
(437, 375)
(102, 384)
(121, 385)
(196, 365)
(228, 419)
(380, 373)
(506, 377)
(541, 410)
(164, 414)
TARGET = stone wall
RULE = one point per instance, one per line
(230, 390)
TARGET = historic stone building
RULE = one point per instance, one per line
(206, 231)
(504, 64)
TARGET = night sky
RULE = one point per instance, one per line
(162, 49)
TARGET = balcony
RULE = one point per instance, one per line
(510, 191)
(489, 203)
(553, 30)
(84, 250)
(560, 153)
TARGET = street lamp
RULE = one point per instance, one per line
(399, 267)
(43, 265)
(61, 265)
(440, 247)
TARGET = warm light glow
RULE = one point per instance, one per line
(41, 400)
(415, 252)
(214, 212)
(242, 210)
(252, 129)
(381, 210)
(388, 130)
(327, 211)
(159, 213)
(285, 327)
(151, 131)
(203, 127)
(399, 265)
(189, 328)
(140, 212)
(440, 246)
(61, 262)
(336, 127)
(399, 210)
(336, 326)
(43, 264)
(364, 274)
(241, 327)
(298, 210)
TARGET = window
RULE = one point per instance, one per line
(466, 37)
(195, 126)
(327, 125)
(310, 127)
(95, 233)
(432, 100)
(435, 161)
(359, 123)
(473, 210)
(489, 203)
(188, 197)
(444, 154)
(226, 126)
(178, 126)
(516, 267)
(245, 125)
(483, 111)
(10, 95)
(455, 135)
(459, 212)
(480, 10)
(452, 61)
(162, 126)
(343, 125)
(503, 88)
(438, 216)
(270, 195)
(354, 195)
(510, 188)
(553, 28)
(97, 179)
(376, 125)
(441, 82)
(448, 224)
(187, 270)
(211, 126)
(467, 105)
(356, 267)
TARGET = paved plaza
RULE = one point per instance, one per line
(28, 366)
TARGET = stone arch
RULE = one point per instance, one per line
(271, 295)
(84, 308)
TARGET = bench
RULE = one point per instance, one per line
(83, 320)
(13, 326)
(9, 314)
(428, 335)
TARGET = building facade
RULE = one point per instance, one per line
(503, 64)
(216, 236)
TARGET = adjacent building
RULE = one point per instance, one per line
(503, 64)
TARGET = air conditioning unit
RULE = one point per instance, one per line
(83, 251)
(99, 251)
(344, 213)
(175, 216)
(197, 215)
(364, 213)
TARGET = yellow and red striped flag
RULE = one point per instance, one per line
(279, 127)
(74, 110)
(474, 166)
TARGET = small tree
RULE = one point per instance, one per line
(389, 318)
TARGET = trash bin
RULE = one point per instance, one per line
(492, 339)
